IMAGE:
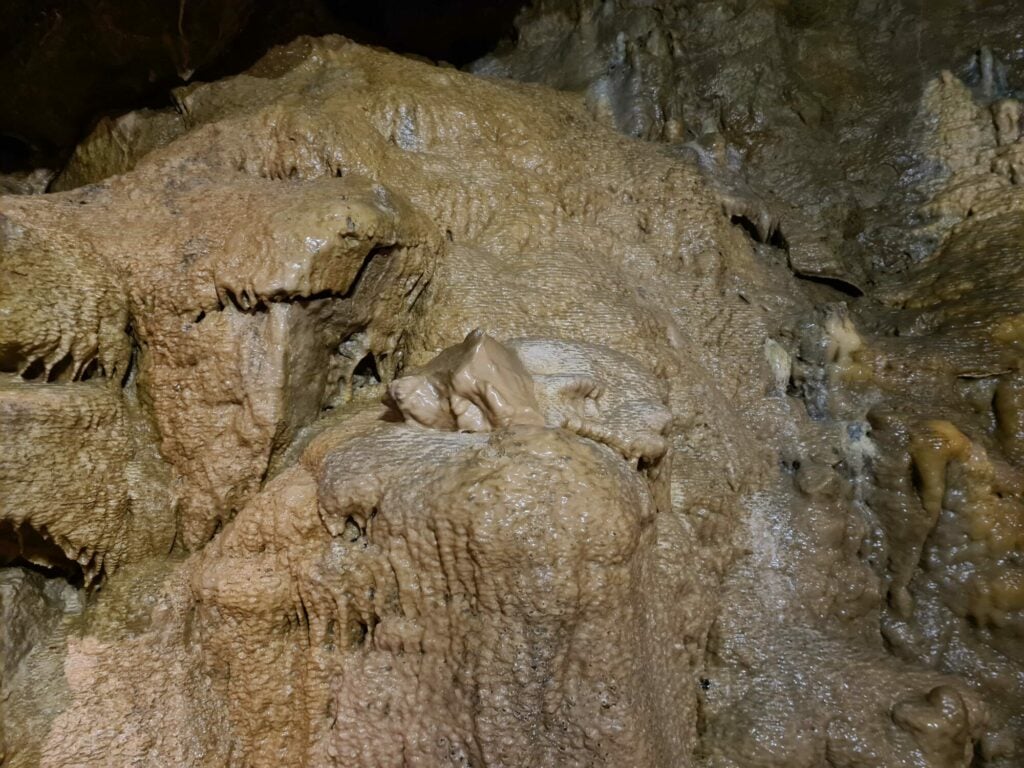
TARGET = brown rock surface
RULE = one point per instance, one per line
(669, 506)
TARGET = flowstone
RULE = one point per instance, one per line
(389, 415)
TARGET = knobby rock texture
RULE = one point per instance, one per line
(364, 412)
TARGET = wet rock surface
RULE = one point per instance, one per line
(359, 411)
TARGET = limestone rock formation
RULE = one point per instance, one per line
(476, 386)
(363, 412)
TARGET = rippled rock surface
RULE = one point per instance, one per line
(359, 411)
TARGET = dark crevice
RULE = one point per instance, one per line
(835, 283)
(14, 358)
(646, 465)
(9, 359)
(361, 272)
(748, 226)
(128, 377)
(15, 154)
(24, 546)
(91, 370)
(63, 370)
(366, 373)
(777, 240)
(330, 632)
(251, 305)
(363, 629)
(35, 370)
(773, 237)
(256, 304)
(304, 618)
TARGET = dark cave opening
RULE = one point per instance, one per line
(773, 237)
(24, 546)
(65, 64)
(455, 31)
(366, 372)
(15, 154)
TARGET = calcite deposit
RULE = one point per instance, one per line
(359, 411)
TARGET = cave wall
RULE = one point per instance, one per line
(360, 411)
